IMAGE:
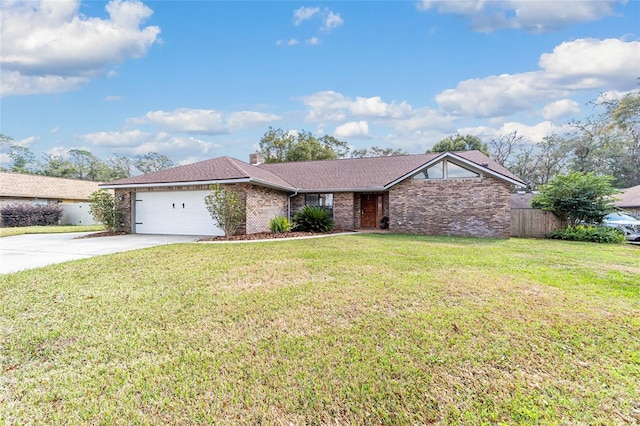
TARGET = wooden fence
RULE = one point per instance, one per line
(533, 223)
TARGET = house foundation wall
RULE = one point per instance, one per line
(460, 207)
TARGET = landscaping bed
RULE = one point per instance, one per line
(270, 235)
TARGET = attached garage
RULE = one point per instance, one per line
(173, 212)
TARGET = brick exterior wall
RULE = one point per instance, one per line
(123, 198)
(263, 204)
(462, 207)
(343, 210)
(297, 203)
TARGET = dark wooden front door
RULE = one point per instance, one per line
(371, 210)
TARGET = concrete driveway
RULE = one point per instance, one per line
(35, 250)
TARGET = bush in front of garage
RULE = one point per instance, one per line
(105, 209)
(227, 208)
(18, 215)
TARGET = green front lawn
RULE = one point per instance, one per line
(8, 232)
(366, 329)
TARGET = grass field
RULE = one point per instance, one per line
(366, 329)
(8, 232)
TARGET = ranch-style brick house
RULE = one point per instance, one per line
(451, 193)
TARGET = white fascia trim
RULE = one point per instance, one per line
(200, 182)
(469, 163)
(170, 184)
(272, 185)
(332, 190)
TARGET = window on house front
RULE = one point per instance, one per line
(455, 172)
(446, 170)
(435, 172)
(319, 200)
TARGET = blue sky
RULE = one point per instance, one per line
(199, 79)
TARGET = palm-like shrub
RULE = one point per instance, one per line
(279, 225)
(313, 219)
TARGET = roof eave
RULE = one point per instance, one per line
(199, 182)
(329, 190)
(171, 184)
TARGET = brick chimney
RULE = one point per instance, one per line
(255, 159)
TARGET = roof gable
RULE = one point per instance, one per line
(475, 159)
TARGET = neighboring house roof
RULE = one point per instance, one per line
(21, 185)
(630, 197)
(352, 174)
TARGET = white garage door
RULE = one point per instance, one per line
(174, 212)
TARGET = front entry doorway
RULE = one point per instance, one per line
(371, 210)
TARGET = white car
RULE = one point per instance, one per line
(624, 222)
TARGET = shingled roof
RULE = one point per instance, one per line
(375, 173)
(221, 169)
(21, 185)
(352, 174)
(630, 197)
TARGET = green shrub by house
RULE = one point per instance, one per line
(105, 209)
(279, 225)
(313, 219)
(594, 234)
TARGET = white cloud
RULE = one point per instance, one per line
(375, 107)
(50, 47)
(527, 15)
(333, 106)
(353, 129)
(326, 106)
(116, 139)
(26, 142)
(292, 42)
(139, 143)
(313, 40)
(560, 109)
(593, 64)
(303, 14)
(331, 21)
(247, 119)
(172, 146)
(572, 67)
(185, 120)
(113, 98)
(530, 132)
(203, 121)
